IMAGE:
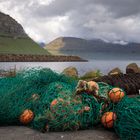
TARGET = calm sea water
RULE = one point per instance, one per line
(103, 65)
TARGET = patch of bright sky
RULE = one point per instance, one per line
(45, 2)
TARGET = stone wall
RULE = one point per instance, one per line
(37, 58)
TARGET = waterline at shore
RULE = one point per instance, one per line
(103, 65)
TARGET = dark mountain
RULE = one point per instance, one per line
(42, 44)
(96, 47)
(14, 40)
(10, 27)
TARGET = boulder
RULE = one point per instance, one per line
(132, 68)
(115, 71)
(70, 71)
(91, 75)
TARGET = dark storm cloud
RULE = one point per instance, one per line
(121, 8)
(56, 8)
(106, 19)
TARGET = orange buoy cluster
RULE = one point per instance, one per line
(115, 95)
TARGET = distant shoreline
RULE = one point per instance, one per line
(39, 58)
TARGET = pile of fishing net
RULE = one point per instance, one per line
(48, 101)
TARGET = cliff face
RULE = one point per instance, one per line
(10, 27)
(14, 40)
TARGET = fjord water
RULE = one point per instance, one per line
(96, 61)
(103, 65)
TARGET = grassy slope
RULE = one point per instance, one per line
(55, 46)
(20, 46)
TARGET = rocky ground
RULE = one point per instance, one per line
(24, 133)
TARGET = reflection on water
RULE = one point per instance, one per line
(104, 65)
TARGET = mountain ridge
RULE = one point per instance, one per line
(14, 40)
(74, 46)
(99, 41)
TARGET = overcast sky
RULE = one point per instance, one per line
(45, 20)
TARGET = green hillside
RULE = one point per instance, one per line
(9, 45)
(14, 40)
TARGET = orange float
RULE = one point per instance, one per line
(56, 101)
(27, 116)
(116, 94)
(108, 119)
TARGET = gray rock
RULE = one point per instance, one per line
(70, 71)
(9, 27)
(132, 68)
(115, 71)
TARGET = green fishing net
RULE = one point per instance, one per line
(127, 124)
(56, 106)
(35, 89)
(32, 89)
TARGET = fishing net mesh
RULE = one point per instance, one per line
(56, 106)
(127, 124)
